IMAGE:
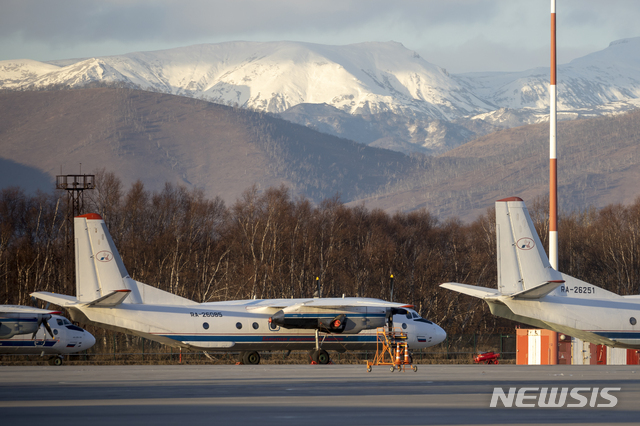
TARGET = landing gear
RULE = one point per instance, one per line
(251, 358)
(320, 356)
(57, 360)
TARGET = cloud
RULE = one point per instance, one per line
(453, 30)
(76, 21)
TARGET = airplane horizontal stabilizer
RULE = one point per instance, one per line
(472, 290)
(111, 300)
(539, 291)
(56, 299)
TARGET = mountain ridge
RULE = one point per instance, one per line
(372, 81)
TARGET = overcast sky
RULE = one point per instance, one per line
(460, 35)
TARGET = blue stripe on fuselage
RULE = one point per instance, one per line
(333, 315)
(270, 338)
(26, 343)
(614, 335)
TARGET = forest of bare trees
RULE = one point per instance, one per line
(270, 245)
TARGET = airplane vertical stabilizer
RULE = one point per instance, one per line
(522, 261)
(99, 267)
(101, 272)
(87, 285)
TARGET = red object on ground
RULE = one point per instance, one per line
(487, 358)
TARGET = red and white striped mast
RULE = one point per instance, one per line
(553, 158)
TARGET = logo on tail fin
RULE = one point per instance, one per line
(526, 243)
(104, 256)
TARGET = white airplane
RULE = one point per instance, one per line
(530, 291)
(107, 296)
(23, 331)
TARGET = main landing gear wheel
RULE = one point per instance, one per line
(320, 356)
(251, 358)
(56, 360)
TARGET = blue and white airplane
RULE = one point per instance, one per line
(30, 331)
(108, 297)
(530, 291)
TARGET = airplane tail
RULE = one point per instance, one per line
(522, 262)
(99, 267)
(101, 277)
(524, 270)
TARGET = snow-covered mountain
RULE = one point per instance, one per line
(400, 99)
(606, 81)
(272, 77)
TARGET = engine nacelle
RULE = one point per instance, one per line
(336, 324)
(20, 324)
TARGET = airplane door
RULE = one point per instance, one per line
(38, 341)
(534, 347)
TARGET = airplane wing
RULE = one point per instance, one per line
(323, 303)
(348, 315)
(353, 302)
(17, 309)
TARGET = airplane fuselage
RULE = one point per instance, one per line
(67, 339)
(591, 317)
(531, 291)
(241, 326)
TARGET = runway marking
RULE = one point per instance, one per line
(405, 401)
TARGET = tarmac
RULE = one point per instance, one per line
(306, 395)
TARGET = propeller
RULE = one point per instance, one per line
(43, 320)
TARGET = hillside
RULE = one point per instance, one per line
(598, 164)
(160, 138)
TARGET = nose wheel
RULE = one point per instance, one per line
(57, 360)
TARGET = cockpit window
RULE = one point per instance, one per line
(59, 321)
(74, 327)
(66, 321)
(415, 316)
(423, 320)
(408, 315)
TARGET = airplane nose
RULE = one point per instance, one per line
(88, 340)
(440, 335)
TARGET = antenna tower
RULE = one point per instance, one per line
(75, 185)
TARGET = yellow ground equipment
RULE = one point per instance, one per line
(388, 342)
